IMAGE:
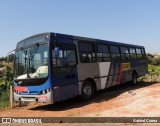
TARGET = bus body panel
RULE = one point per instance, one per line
(66, 87)
(86, 71)
(103, 73)
(107, 74)
(96, 71)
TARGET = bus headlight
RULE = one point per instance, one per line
(17, 92)
(45, 91)
(48, 90)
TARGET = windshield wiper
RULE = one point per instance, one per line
(25, 60)
(28, 56)
(34, 51)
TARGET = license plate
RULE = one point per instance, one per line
(43, 98)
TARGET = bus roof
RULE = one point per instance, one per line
(58, 35)
(93, 40)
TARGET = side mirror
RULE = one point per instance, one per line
(56, 52)
(10, 56)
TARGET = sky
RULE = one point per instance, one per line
(128, 21)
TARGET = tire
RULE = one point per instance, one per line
(87, 91)
(134, 78)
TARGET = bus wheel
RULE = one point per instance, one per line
(134, 78)
(87, 90)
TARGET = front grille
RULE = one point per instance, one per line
(30, 92)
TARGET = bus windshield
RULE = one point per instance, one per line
(32, 62)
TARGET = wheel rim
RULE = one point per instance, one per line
(87, 90)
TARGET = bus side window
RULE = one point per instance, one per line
(132, 53)
(66, 55)
(115, 54)
(103, 54)
(125, 53)
(87, 52)
(143, 54)
(139, 53)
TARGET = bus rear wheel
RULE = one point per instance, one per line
(134, 78)
(87, 90)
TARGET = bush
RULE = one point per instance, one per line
(153, 74)
(3, 87)
(1, 65)
(152, 60)
(4, 99)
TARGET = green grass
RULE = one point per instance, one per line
(4, 99)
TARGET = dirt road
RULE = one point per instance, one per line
(120, 101)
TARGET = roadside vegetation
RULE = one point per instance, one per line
(153, 69)
(6, 76)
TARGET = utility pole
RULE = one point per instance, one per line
(11, 96)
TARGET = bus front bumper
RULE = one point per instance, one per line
(34, 98)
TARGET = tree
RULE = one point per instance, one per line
(9, 73)
(11, 57)
(3, 58)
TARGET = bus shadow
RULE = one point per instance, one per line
(102, 95)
